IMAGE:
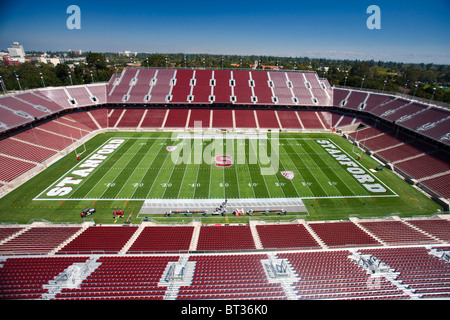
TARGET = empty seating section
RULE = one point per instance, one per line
(83, 119)
(11, 119)
(440, 184)
(389, 107)
(182, 88)
(162, 239)
(267, 119)
(38, 240)
(439, 228)
(44, 138)
(405, 112)
(6, 232)
(261, 87)
(332, 275)
(122, 277)
(161, 89)
(230, 277)
(11, 168)
(61, 129)
(280, 88)
(225, 238)
(202, 90)
(299, 89)
(200, 118)
(375, 100)
(339, 234)
(288, 119)
(242, 89)
(176, 118)
(396, 232)
(40, 101)
(120, 89)
(407, 150)
(100, 116)
(140, 89)
(142, 272)
(386, 141)
(154, 118)
(222, 89)
(24, 150)
(440, 131)
(284, 236)
(245, 118)
(13, 103)
(339, 95)
(81, 95)
(426, 165)
(355, 100)
(100, 239)
(131, 118)
(98, 91)
(422, 272)
(319, 92)
(24, 278)
(310, 120)
(113, 117)
(59, 95)
(222, 118)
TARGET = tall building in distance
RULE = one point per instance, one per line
(16, 53)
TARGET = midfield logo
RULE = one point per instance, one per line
(171, 148)
(288, 174)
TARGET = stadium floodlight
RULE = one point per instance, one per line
(362, 82)
(406, 84)
(432, 96)
(17, 78)
(415, 89)
(92, 77)
(2, 84)
(42, 78)
(70, 77)
(345, 81)
(384, 84)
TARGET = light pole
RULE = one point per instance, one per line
(406, 84)
(415, 89)
(42, 78)
(92, 77)
(345, 82)
(384, 84)
(2, 84)
(362, 82)
(70, 77)
(17, 78)
(432, 96)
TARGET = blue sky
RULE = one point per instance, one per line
(411, 31)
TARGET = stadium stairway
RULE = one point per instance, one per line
(255, 234)
(84, 226)
(355, 221)
(130, 242)
(421, 230)
(311, 231)
(195, 236)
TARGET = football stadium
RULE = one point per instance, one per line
(196, 183)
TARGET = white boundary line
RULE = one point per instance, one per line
(133, 199)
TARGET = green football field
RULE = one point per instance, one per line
(120, 170)
(216, 166)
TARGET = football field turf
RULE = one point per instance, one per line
(216, 166)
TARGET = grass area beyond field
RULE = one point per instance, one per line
(119, 170)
